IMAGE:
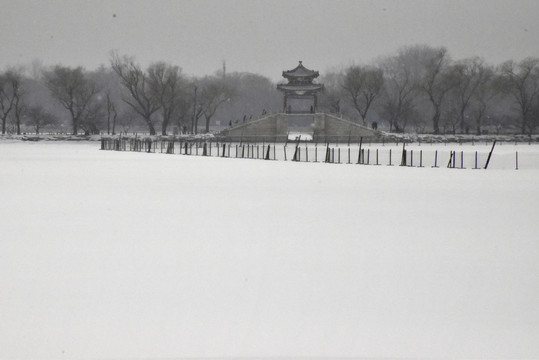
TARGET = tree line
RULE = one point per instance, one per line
(421, 89)
(124, 97)
(417, 89)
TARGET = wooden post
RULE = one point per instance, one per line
(339, 155)
(435, 159)
(516, 160)
(420, 158)
(389, 158)
(412, 158)
(348, 155)
(462, 159)
(328, 155)
(490, 154)
(359, 154)
(368, 156)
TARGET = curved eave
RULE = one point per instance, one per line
(296, 88)
(302, 74)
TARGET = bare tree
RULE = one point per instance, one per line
(109, 96)
(363, 84)
(92, 119)
(112, 114)
(6, 101)
(38, 118)
(482, 98)
(166, 84)
(437, 81)
(73, 90)
(332, 97)
(140, 96)
(11, 98)
(534, 118)
(470, 76)
(401, 91)
(521, 81)
(196, 108)
(215, 91)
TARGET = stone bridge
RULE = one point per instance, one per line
(321, 127)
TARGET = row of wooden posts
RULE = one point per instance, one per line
(268, 152)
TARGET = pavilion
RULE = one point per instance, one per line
(299, 115)
(300, 90)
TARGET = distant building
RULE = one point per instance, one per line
(299, 116)
(300, 87)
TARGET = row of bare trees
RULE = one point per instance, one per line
(123, 96)
(421, 86)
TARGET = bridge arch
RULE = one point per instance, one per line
(276, 127)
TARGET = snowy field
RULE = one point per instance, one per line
(123, 255)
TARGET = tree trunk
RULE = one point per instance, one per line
(478, 125)
(523, 125)
(151, 128)
(208, 125)
(436, 121)
(461, 120)
(164, 127)
(114, 124)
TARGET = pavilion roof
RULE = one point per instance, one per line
(300, 71)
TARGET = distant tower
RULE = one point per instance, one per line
(224, 69)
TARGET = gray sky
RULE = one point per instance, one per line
(264, 37)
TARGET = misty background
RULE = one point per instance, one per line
(263, 37)
(423, 66)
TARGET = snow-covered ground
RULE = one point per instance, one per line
(131, 255)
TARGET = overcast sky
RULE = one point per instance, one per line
(264, 37)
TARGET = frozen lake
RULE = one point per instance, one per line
(132, 255)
